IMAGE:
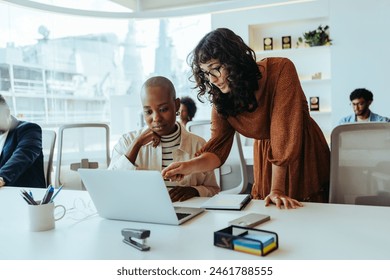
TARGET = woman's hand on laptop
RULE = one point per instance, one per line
(182, 193)
(176, 170)
(203, 163)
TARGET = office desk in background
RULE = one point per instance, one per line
(316, 231)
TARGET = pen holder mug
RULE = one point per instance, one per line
(41, 216)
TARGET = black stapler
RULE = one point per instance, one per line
(141, 234)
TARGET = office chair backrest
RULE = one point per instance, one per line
(48, 143)
(233, 176)
(84, 145)
(360, 164)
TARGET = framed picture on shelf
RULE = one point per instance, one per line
(268, 43)
(286, 42)
(314, 103)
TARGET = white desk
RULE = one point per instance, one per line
(316, 231)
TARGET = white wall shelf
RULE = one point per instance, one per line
(308, 61)
(293, 50)
(319, 113)
(315, 81)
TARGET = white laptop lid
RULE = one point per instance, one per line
(139, 196)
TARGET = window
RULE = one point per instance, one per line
(57, 68)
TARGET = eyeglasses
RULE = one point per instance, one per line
(215, 72)
(359, 104)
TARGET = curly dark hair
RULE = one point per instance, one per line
(239, 60)
(191, 106)
(361, 93)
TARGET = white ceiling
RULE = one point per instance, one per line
(153, 5)
(205, 5)
(146, 8)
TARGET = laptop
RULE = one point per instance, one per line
(137, 196)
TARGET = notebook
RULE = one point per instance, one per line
(227, 201)
(138, 196)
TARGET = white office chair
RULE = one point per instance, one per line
(48, 143)
(85, 145)
(360, 164)
(233, 177)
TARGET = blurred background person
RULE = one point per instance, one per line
(187, 110)
(361, 99)
(21, 159)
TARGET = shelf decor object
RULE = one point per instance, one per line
(314, 103)
(286, 42)
(317, 37)
(268, 43)
(316, 76)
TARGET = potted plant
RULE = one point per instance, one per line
(317, 37)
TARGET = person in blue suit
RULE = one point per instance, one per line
(21, 159)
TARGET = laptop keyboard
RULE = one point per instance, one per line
(181, 215)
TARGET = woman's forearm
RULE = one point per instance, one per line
(205, 162)
(132, 152)
(278, 178)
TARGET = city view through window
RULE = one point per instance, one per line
(57, 68)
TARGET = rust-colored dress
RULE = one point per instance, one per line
(284, 133)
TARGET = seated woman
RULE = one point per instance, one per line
(162, 142)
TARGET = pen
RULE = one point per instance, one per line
(28, 202)
(31, 194)
(47, 197)
(28, 197)
(59, 189)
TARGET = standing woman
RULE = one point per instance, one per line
(263, 101)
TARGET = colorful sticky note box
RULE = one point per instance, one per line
(247, 240)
